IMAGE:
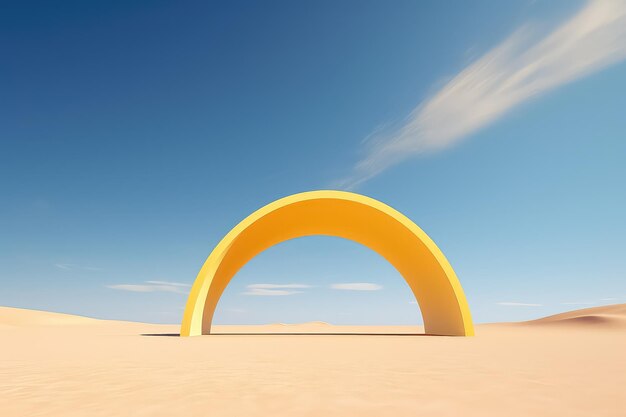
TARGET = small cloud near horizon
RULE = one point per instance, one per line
(153, 286)
(237, 310)
(274, 289)
(516, 304)
(73, 267)
(356, 286)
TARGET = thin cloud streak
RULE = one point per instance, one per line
(357, 286)
(275, 286)
(236, 310)
(515, 304)
(153, 286)
(274, 289)
(173, 284)
(73, 267)
(523, 66)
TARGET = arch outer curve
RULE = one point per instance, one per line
(342, 214)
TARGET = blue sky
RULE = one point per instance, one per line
(134, 135)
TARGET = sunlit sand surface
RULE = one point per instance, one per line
(59, 365)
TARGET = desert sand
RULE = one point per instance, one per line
(573, 364)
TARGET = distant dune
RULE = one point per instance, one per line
(570, 364)
(19, 317)
(612, 316)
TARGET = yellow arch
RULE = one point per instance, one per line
(342, 214)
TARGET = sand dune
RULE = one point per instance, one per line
(19, 317)
(588, 318)
(569, 364)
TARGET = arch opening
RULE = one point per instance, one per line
(341, 214)
(318, 279)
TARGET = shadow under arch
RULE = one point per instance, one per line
(342, 214)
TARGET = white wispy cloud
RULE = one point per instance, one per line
(523, 66)
(153, 286)
(357, 286)
(237, 310)
(274, 289)
(275, 286)
(74, 267)
(516, 304)
(174, 284)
